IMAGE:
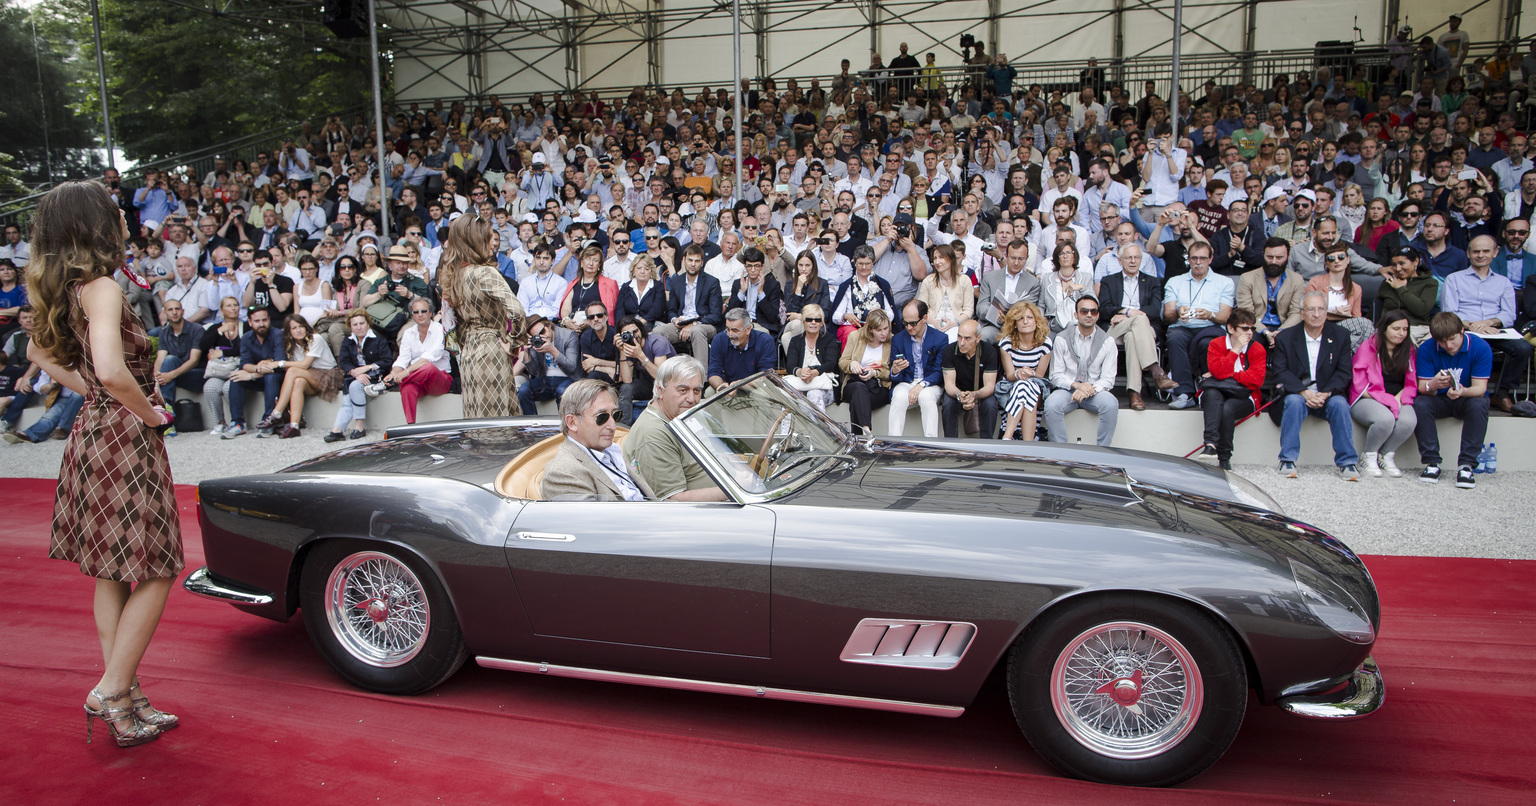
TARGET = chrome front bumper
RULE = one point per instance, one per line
(202, 583)
(1363, 694)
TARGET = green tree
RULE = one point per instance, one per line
(180, 79)
(41, 124)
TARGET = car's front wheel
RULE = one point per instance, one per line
(1128, 689)
(380, 617)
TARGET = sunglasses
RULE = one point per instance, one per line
(420, 311)
(1245, 328)
(1338, 258)
(597, 316)
(1087, 311)
(245, 250)
(602, 417)
(913, 323)
(813, 319)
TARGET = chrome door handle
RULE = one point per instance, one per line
(559, 538)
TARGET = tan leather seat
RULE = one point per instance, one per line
(522, 476)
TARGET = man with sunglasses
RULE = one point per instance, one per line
(589, 465)
(1083, 362)
(917, 370)
(1303, 207)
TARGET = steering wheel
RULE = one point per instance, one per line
(760, 463)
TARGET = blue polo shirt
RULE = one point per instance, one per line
(1448, 262)
(733, 363)
(1473, 360)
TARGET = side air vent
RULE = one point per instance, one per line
(914, 644)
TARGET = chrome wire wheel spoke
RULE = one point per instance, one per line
(1126, 690)
(377, 609)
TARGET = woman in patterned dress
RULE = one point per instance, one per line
(485, 316)
(115, 512)
(1026, 355)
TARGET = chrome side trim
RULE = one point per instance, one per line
(202, 583)
(1362, 696)
(935, 645)
(558, 538)
(712, 687)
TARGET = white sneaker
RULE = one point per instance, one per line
(217, 430)
(1369, 464)
(1389, 464)
(374, 389)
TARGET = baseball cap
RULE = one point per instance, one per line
(904, 218)
(1271, 193)
(1305, 193)
(1407, 252)
(538, 158)
(586, 217)
(663, 160)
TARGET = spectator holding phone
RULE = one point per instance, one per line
(1453, 369)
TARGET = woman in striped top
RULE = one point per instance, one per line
(1026, 352)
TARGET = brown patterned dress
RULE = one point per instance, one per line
(484, 309)
(115, 513)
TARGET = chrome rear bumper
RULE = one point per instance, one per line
(1360, 697)
(202, 583)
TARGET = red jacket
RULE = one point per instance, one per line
(1223, 362)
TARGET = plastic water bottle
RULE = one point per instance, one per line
(1493, 459)
(1482, 459)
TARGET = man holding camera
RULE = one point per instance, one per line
(400, 286)
(550, 361)
(154, 201)
(539, 183)
(494, 141)
(296, 164)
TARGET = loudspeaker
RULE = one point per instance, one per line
(347, 19)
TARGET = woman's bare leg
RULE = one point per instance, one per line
(301, 386)
(1028, 420)
(126, 622)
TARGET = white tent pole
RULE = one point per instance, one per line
(378, 122)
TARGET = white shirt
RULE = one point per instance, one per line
(414, 347)
(617, 269)
(1314, 346)
(20, 254)
(1163, 188)
(726, 271)
(541, 294)
(837, 271)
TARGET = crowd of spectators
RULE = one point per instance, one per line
(1029, 246)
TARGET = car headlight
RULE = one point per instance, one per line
(1249, 493)
(1332, 605)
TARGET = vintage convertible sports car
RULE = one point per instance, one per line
(1135, 599)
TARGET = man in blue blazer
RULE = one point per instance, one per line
(695, 310)
(1316, 386)
(917, 371)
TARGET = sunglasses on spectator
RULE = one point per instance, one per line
(420, 311)
(597, 316)
(813, 319)
(1245, 328)
(602, 417)
(911, 323)
(1517, 232)
(242, 249)
(1338, 258)
(413, 232)
(263, 264)
(1086, 311)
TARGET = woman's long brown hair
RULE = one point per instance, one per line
(77, 237)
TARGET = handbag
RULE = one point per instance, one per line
(189, 415)
(1227, 386)
(386, 314)
(221, 368)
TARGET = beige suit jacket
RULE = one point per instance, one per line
(572, 473)
(1252, 296)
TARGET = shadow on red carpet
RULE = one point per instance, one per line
(266, 721)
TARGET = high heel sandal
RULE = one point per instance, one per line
(140, 733)
(159, 719)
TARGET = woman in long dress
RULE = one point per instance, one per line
(115, 511)
(485, 316)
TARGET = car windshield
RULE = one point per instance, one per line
(764, 436)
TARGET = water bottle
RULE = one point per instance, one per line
(1482, 460)
(1493, 458)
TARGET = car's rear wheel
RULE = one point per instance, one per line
(380, 617)
(1128, 689)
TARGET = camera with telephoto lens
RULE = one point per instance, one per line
(903, 231)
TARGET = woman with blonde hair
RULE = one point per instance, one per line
(485, 316)
(1025, 346)
(115, 510)
(812, 358)
(866, 366)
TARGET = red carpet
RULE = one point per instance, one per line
(265, 721)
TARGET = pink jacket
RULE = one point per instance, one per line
(1367, 378)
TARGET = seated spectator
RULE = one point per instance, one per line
(1384, 385)
(364, 356)
(866, 366)
(397, 289)
(308, 369)
(1434, 247)
(1272, 292)
(1238, 246)
(221, 357)
(180, 357)
(598, 345)
(640, 357)
(643, 296)
(812, 359)
(917, 370)
(1194, 304)
(57, 419)
(588, 287)
(695, 309)
(1408, 285)
(1231, 391)
(13, 295)
(1131, 310)
(970, 382)
(1343, 294)
(589, 466)
(1453, 369)
(1485, 301)
(18, 370)
(1024, 350)
(950, 296)
(862, 293)
(1083, 372)
(1061, 289)
(551, 361)
(1312, 363)
(1001, 290)
(653, 451)
(741, 351)
(540, 290)
(1307, 256)
(192, 292)
(260, 352)
(757, 293)
(807, 288)
(421, 368)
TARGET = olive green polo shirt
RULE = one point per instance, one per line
(651, 449)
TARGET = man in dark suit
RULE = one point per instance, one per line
(695, 310)
(761, 290)
(1131, 311)
(1000, 290)
(917, 370)
(1313, 364)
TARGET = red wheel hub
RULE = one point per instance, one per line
(1125, 691)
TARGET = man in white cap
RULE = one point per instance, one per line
(1299, 228)
(1272, 210)
(540, 183)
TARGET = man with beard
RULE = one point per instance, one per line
(1272, 292)
(262, 367)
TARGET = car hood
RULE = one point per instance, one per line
(473, 451)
